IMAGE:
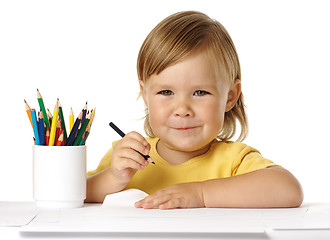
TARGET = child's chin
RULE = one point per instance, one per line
(187, 146)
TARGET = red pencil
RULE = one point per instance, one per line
(60, 139)
(58, 129)
(47, 136)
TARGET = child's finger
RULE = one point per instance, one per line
(133, 155)
(154, 200)
(135, 142)
(172, 203)
(129, 163)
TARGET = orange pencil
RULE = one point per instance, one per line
(47, 136)
(28, 111)
(92, 117)
(60, 139)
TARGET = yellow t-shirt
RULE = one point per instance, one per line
(223, 159)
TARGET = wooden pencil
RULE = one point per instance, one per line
(47, 136)
(60, 113)
(82, 130)
(28, 111)
(74, 131)
(71, 119)
(84, 112)
(54, 124)
(86, 134)
(41, 129)
(35, 126)
(58, 129)
(92, 117)
(60, 139)
(42, 106)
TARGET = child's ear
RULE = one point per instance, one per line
(143, 92)
(233, 94)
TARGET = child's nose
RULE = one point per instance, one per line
(183, 109)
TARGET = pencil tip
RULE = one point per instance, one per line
(24, 101)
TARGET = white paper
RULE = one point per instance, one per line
(15, 214)
(315, 217)
(95, 218)
(125, 198)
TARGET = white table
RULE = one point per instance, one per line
(310, 221)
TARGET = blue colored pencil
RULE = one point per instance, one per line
(41, 129)
(84, 113)
(35, 126)
(74, 131)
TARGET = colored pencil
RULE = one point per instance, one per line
(42, 106)
(84, 112)
(60, 139)
(60, 113)
(74, 131)
(28, 111)
(86, 134)
(71, 119)
(35, 126)
(120, 132)
(41, 129)
(54, 124)
(47, 136)
(82, 130)
(92, 117)
(58, 130)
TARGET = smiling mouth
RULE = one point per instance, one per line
(185, 128)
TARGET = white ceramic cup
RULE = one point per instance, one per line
(59, 176)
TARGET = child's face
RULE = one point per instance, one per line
(187, 103)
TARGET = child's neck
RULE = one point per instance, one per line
(176, 157)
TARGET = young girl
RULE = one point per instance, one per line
(190, 82)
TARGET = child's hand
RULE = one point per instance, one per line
(183, 195)
(126, 157)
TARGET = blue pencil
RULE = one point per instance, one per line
(35, 126)
(41, 129)
(74, 131)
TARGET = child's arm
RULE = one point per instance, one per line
(125, 161)
(264, 188)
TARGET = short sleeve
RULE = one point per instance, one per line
(104, 163)
(248, 160)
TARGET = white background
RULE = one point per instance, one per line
(81, 51)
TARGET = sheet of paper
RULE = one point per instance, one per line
(15, 214)
(315, 217)
(125, 198)
(93, 218)
(118, 214)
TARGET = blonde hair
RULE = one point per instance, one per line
(179, 35)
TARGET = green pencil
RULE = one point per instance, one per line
(60, 113)
(82, 130)
(42, 106)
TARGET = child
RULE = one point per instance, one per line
(190, 82)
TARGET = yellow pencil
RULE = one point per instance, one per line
(53, 128)
(71, 119)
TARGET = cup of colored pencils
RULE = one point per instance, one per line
(59, 173)
(50, 130)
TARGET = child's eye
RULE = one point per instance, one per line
(200, 93)
(166, 92)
